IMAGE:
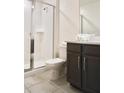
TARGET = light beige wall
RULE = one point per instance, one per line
(69, 19)
(56, 29)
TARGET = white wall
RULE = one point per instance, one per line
(91, 16)
(69, 22)
(69, 19)
(27, 29)
(26, 50)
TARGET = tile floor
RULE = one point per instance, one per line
(39, 83)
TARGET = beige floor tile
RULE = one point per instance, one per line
(26, 91)
(31, 81)
(62, 82)
(40, 83)
(60, 91)
(44, 87)
(70, 89)
(46, 75)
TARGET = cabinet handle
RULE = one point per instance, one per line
(84, 63)
(78, 62)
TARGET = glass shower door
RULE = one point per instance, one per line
(38, 33)
(42, 28)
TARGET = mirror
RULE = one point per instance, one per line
(90, 17)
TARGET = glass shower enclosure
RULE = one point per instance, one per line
(38, 33)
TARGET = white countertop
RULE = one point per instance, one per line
(85, 42)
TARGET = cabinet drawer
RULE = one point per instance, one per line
(92, 50)
(74, 47)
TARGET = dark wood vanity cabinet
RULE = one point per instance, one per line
(74, 70)
(83, 66)
(73, 64)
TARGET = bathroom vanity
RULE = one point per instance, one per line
(83, 66)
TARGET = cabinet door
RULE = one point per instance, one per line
(73, 69)
(92, 74)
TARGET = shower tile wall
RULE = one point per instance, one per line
(43, 33)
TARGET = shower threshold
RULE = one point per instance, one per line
(33, 71)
